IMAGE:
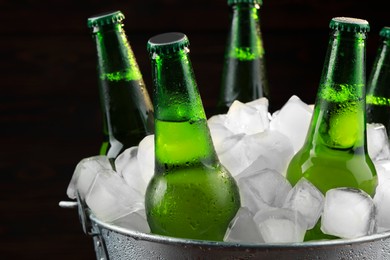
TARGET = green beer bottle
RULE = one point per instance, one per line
(191, 195)
(244, 73)
(126, 105)
(378, 84)
(335, 151)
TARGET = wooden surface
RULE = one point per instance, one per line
(49, 111)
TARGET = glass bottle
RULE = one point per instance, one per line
(244, 73)
(335, 150)
(127, 108)
(378, 84)
(191, 195)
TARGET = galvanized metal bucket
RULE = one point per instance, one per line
(114, 242)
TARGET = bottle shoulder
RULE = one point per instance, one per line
(333, 169)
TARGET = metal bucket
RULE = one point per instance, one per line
(114, 242)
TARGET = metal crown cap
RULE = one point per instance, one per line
(349, 24)
(105, 19)
(233, 2)
(385, 32)
(167, 43)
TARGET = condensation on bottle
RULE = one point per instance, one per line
(335, 153)
(378, 84)
(191, 194)
(127, 110)
(244, 76)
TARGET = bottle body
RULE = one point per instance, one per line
(335, 151)
(244, 72)
(327, 166)
(125, 102)
(124, 129)
(378, 85)
(191, 195)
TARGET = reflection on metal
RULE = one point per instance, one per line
(127, 244)
(112, 242)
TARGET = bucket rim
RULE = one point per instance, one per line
(193, 242)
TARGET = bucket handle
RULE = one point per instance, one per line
(88, 228)
(83, 213)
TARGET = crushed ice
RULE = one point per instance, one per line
(256, 148)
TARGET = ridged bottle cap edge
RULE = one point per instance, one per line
(167, 43)
(385, 32)
(349, 24)
(105, 19)
(232, 2)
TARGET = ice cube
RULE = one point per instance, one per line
(217, 119)
(307, 200)
(134, 221)
(272, 147)
(269, 148)
(252, 200)
(293, 120)
(262, 187)
(243, 229)
(231, 153)
(377, 142)
(111, 198)
(243, 118)
(218, 130)
(145, 157)
(348, 213)
(122, 160)
(84, 174)
(382, 171)
(281, 226)
(128, 167)
(260, 104)
(382, 203)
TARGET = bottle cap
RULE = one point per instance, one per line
(233, 2)
(349, 24)
(105, 19)
(167, 43)
(385, 32)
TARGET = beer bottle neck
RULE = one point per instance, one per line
(182, 137)
(343, 75)
(339, 114)
(176, 91)
(244, 41)
(116, 60)
(378, 92)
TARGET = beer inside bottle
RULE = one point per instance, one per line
(335, 151)
(124, 129)
(191, 195)
(244, 73)
(335, 160)
(127, 108)
(378, 85)
(248, 85)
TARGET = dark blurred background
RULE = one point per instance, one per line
(49, 112)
